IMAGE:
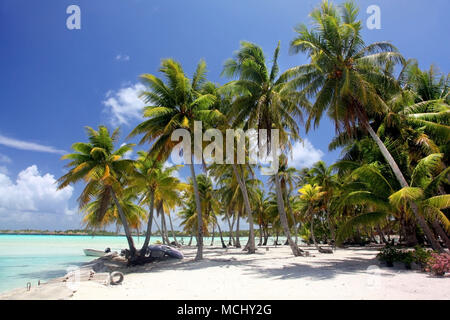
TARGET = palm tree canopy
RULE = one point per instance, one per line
(344, 74)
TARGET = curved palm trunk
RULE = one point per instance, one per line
(291, 214)
(173, 232)
(283, 219)
(220, 233)
(157, 226)
(266, 236)
(164, 225)
(260, 235)
(401, 179)
(251, 244)
(238, 241)
(148, 234)
(124, 221)
(190, 240)
(437, 227)
(199, 255)
(312, 234)
(232, 229)
(213, 231)
(330, 225)
(163, 231)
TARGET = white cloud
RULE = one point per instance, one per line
(30, 146)
(32, 193)
(304, 154)
(124, 105)
(122, 57)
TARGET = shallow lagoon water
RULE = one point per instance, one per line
(30, 258)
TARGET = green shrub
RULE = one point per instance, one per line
(407, 257)
(421, 256)
(390, 254)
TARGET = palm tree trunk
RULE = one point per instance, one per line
(238, 241)
(291, 214)
(330, 225)
(283, 219)
(401, 179)
(312, 234)
(230, 228)
(251, 245)
(220, 233)
(149, 224)
(124, 221)
(212, 238)
(173, 232)
(381, 234)
(157, 225)
(437, 227)
(190, 240)
(199, 255)
(260, 235)
(266, 236)
(164, 224)
(163, 231)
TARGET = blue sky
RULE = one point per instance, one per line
(55, 81)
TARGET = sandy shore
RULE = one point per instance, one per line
(352, 273)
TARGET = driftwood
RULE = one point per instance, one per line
(324, 250)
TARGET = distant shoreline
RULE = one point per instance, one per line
(60, 234)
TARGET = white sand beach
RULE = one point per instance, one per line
(352, 273)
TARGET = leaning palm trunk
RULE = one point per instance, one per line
(220, 233)
(213, 231)
(232, 240)
(437, 227)
(312, 235)
(157, 226)
(123, 219)
(330, 225)
(283, 219)
(238, 241)
(251, 236)
(291, 214)
(190, 240)
(164, 225)
(148, 234)
(401, 179)
(173, 232)
(260, 235)
(199, 255)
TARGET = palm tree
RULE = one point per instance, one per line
(224, 98)
(105, 172)
(176, 104)
(344, 75)
(287, 176)
(264, 101)
(423, 189)
(144, 182)
(323, 176)
(311, 195)
(133, 212)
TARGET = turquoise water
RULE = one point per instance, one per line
(30, 258)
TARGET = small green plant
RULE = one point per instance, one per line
(389, 255)
(407, 258)
(439, 264)
(421, 256)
